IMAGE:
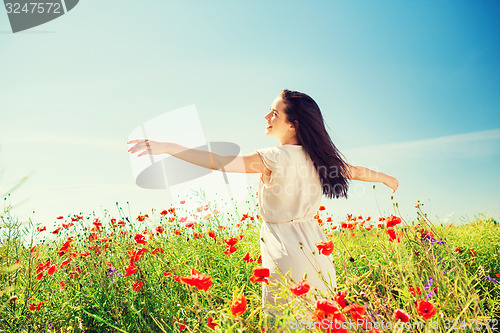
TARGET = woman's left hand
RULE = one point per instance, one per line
(150, 147)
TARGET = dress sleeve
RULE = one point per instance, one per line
(270, 156)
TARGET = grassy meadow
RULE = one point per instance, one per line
(179, 271)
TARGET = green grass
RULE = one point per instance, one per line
(375, 272)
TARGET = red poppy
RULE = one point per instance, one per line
(197, 235)
(137, 254)
(426, 309)
(260, 274)
(325, 248)
(177, 231)
(211, 323)
(356, 310)
(136, 285)
(85, 254)
(55, 232)
(327, 310)
(247, 258)
(65, 262)
(37, 307)
(401, 315)
(239, 305)
(231, 241)
(229, 250)
(392, 221)
(160, 229)
(498, 275)
(212, 234)
(140, 239)
(164, 212)
(130, 269)
(393, 235)
(301, 288)
(167, 274)
(156, 251)
(322, 208)
(459, 250)
(39, 276)
(340, 298)
(183, 202)
(62, 284)
(60, 217)
(472, 252)
(200, 281)
(40, 229)
(415, 291)
(343, 225)
(52, 269)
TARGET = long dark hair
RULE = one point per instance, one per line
(303, 112)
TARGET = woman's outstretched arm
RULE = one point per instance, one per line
(367, 175)
(250, 163)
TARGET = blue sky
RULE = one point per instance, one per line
(407, 88)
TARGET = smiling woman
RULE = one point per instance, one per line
(295, 174)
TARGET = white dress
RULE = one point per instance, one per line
(288, 203)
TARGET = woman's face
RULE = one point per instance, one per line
(277, 125)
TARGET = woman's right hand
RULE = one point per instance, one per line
(392, 183)
(149, 147)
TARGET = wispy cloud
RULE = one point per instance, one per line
(62, 139)
(466, 145)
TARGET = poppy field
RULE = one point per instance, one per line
(200, 271)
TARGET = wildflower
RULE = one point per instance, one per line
(392, 221)
(136, 254)
(140, 239)
(428, 289)
(340, 298)
(200, 281)
(325, 248)
(65, 262)
(39, 276)
(327, 310)
(426, 309)
(85, 254)
(301, 288)
(322, 208)
(136, 285)
(37, 307)
(52, 270)
(156, 251)
(239, 305)
(459, 250)
(60, 217)
(212, 234)
(62, 284)
(260, 274)
(160, 229)
(211, 323)
(401, 315)
(177, 231)
(229, 250)
(472, 252)
(415, 291)
(130, 269)
(40, 229)
(92, 237)
(231, 241)
(356, 310)
(164, 212)
(55, 232)
(197, 235)
(392, 235)
(183, 202)
(247, 258)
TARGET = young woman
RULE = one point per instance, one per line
(294, 176)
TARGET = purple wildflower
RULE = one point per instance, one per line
(112, 272)
(428, 288)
